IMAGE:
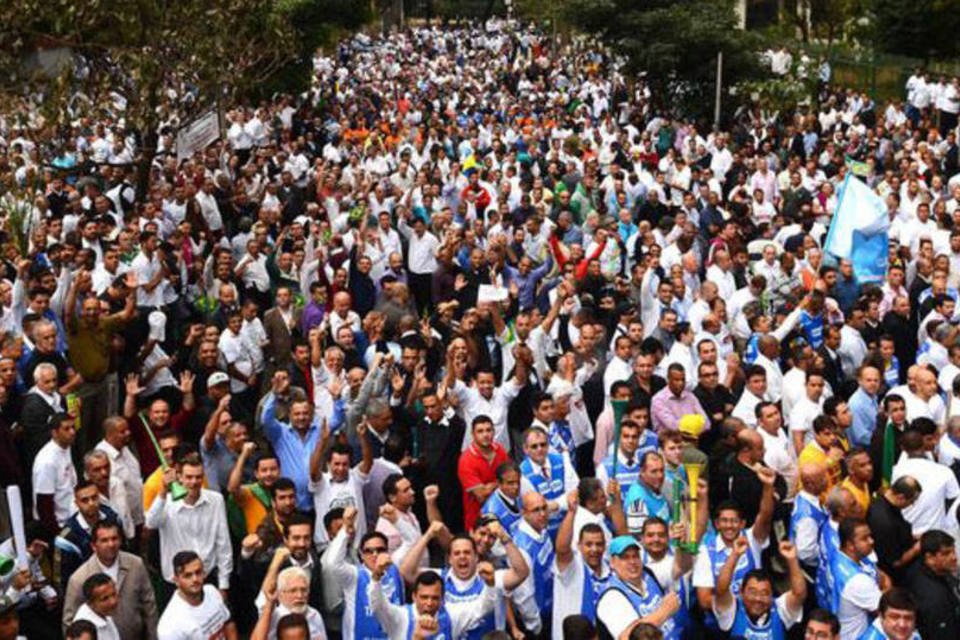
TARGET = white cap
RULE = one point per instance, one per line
(217, 377)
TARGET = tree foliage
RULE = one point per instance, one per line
(675, 44)
(211, 49)
(923, 28)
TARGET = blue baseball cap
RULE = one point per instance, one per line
(621, 543)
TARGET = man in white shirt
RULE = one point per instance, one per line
(938, 484)
(778, 451)
(54, 476)
(619, 368)
(806, 409)
(197, 523)
(252, 269)
(857, 581)
(293, 588)
(421, 258)
(100, 593)
(753, 394)
(340, 486)
(423, 618)
(196, 610)
(487, 400)
(151, 272)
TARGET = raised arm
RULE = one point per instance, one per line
(565, 534)
(723, 598)
(410, 565)
(798, 584)
(319, 453)
(235, 481)
(761, 526)
(209, 437)
(430, 495)
(615, 508)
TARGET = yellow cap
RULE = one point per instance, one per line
(692, 425)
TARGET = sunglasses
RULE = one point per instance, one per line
(373, 550)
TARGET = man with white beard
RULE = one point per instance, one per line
(289, 596)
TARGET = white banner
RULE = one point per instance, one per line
(198, 135)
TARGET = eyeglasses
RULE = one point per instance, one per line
(372, 550)
(538, 445)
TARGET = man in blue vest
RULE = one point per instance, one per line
(633, 596)
(897, 619)
(359, 621)
(533, 599)
(504, 501)
(840, 504)
(548, 473)
(462, 582)
(808, 517)
(627, 456)
(755, 614)
(857, 582)
(646, 497)
(428, 616)
(718, 545)
(582, 573)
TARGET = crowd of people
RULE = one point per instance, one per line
(478, 340)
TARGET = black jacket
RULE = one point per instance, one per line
(939, 603)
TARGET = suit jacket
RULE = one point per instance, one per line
(279, 352)
(832, 370)
(136, 616)
(33, 419)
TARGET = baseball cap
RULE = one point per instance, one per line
(620, 544)
(217, 377)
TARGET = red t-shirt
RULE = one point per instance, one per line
(474, 470)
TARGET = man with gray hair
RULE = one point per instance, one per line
(97, 469)
(41, 401)
(287, 593)
(840, 505)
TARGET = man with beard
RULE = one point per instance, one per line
(196, 609)
(290, 597)
(294, 551)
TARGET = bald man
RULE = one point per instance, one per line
(745, 487)
(534, 597)
(809, 515)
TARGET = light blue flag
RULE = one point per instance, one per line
(858, 231)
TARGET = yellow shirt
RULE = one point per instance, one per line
(812, 453)
(862, 495)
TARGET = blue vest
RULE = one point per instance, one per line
(541, 559)
(626, 475)
(646, 604)
(365, 624)
(473, 592)
(753, 348)
(717, 558)
(551, 489)
(743, 627)
(829, 547)
(445, 632)
(497, 505)
(653, 504)
(803, 508)
(875, 632)
(560, 437)
(843, 568)
(593, 588)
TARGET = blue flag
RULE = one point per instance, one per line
(858, 231)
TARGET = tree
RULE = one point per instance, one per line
(675, 44)
(923, 29)
(216, 49)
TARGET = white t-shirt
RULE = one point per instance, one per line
(703, 569)
(568, 587)
(54, 474)
(329, 495)
(859, 598)
(937, 483)
(106, 628)
(183, 621)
